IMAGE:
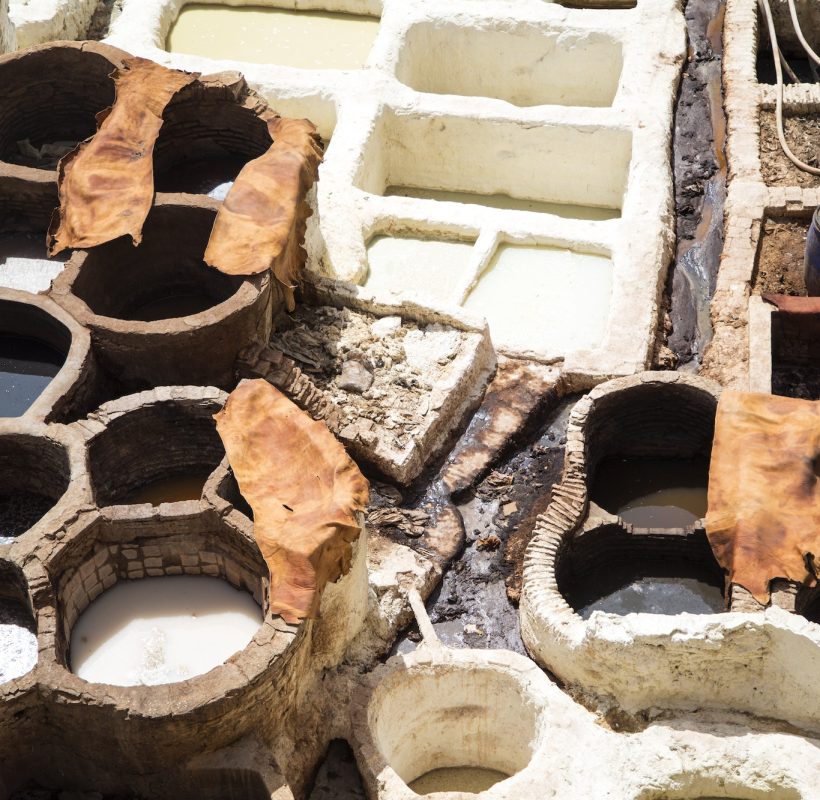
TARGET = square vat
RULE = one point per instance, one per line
(582, 169)
(524, 65)
(544, 299)
(262, 35)
(429, 269)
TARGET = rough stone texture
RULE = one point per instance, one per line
(429, 373)
(50, 20)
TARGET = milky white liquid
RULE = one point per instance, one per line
(306, 39)
(429, 269)
(162, 630)
(18, 644)
(544, 298)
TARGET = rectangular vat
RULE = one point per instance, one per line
(581, 165)
(262, 35)
(544, 299)
(430, 269)
(525, 66)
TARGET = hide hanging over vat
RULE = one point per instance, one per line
(106, 185)
(261, 225)
(764, 501)
(305, 492)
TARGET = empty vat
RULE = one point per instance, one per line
(50, 96)
(294, 38)
(208, 134)
(608, 569)
(162, 630)
(522, 64)
(579, 165)
(158, 314)
(18, 631)
(431, 269)
(546, 299)
(155, 451)
(33, 348)
(653, 492)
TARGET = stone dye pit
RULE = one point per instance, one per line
(208, 339)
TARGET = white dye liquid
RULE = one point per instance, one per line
(660, 596)
(24, 263)
(457, 779)
(162, 630)
(18, 645)
(306, 39)
(429, 269)
(544, 298)
(505, 201)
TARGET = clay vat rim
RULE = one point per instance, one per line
(97, 424)
(114, 55)
(78, 355)
(225, 683)
(534, 685)
(246, 294)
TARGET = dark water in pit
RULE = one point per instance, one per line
(211, 176)
(169, 490)
(653, 595)
(171, 306)
(653, 493)
(19, 512)
(27, 366)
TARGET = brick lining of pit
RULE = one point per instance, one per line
(52, 93)
(37, 316)
(100, 285)
(181, 431)
(204, 122)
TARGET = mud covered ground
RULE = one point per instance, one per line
(700, 188)
(779, 268)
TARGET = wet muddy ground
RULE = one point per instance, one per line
(700, 186)
(779, 268)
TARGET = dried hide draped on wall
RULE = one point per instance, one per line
(106, 186)
(305, 492)
(764, 503)
(261, 224)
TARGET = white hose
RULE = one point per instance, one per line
(779, 106)
(799, 31)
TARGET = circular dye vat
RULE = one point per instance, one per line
(27, 367)
(18, 642)
(653, 492)
(174, 489)
(162, 630)
(470, 780)
(660, 596)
